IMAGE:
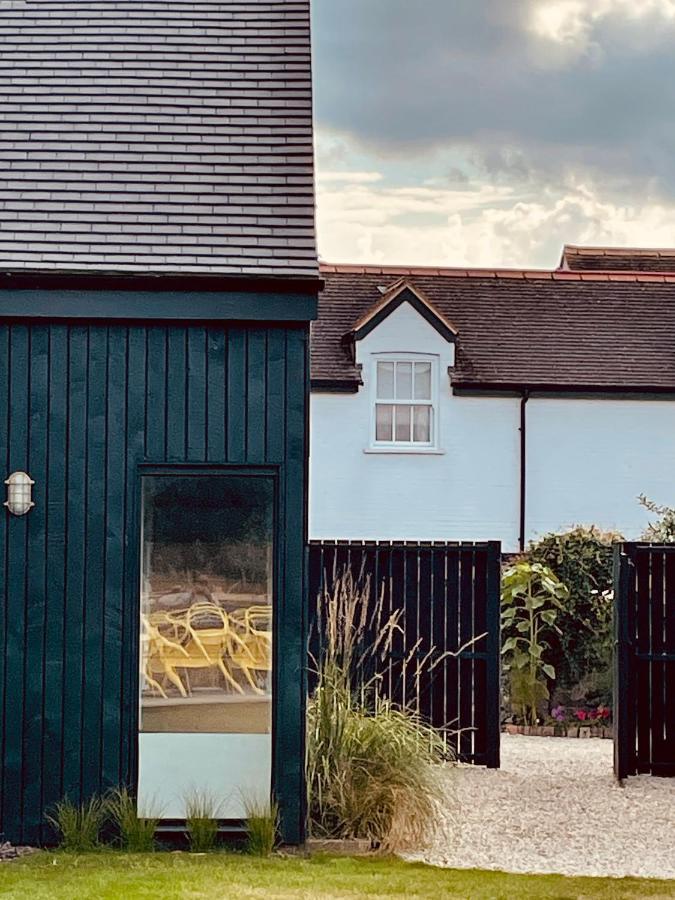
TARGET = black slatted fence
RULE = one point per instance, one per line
(443, 662)
(644, 696)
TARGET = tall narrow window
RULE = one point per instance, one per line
(206, 604)
(405, 412)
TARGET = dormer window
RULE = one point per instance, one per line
(405, 401)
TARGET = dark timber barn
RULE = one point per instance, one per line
(158, 275)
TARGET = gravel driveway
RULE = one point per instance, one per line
(554, 807)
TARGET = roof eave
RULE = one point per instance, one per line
(111, 279)
(518, 388)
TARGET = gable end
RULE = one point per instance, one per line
(404, 294)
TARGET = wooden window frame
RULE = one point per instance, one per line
(395, 446)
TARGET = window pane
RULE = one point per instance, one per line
(403, 423)
(422, 424)
(423, 381)
(384, 422)
(404, 381)
(206, 604)
(385, 380)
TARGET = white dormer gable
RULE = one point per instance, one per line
(405, 331)
(405, 322)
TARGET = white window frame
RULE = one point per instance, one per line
(395, 446)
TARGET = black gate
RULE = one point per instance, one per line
(644, 687)
(448, 598)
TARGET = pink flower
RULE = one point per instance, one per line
(581, 714)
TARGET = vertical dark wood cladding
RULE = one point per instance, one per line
(81, 406)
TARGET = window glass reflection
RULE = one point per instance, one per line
(206, 604)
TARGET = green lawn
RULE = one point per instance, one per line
(109, 875)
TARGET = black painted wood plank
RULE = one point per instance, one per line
(196, 394)
(466, 632)
(52, 786)
(155, 430)
(398, 643)
(424, 631)
(36, 587)
(481, 711)
(409, 623)
(176, 394)
(216, 394)
(115, 531)
(95, 517)
(76, 564)
(136, 417)
(236, 395)
(255, 395)
(451, 643)
(642, 667)
(656, 711)
(276, 395)
(437, 707)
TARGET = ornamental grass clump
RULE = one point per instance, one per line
(372, 768)
(136, 833)
(262, 822)
(79, 825)
(201, 811)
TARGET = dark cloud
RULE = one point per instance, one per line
(401, 75)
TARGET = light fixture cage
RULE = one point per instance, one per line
(19, 493)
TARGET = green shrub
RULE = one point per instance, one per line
(79, 825)
(137, 833)
(262, 823)
(582, 559)
(372, 768)
(531, 597)
(201, 811)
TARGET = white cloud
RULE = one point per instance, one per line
(351, 177)
(568, 26)
(477, 226)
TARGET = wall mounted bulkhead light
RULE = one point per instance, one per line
(19, 493)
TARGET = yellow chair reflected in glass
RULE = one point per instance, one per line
(161, 657)
(253, 654)
(199, 637)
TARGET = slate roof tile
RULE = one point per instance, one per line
(519, 329)
(631, 259)
(119, 113)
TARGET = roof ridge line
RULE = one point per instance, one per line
(524, 274)
(590, 250)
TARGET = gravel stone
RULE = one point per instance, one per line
(555, 807)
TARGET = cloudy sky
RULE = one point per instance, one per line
(490, 132)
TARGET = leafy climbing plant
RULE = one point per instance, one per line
(532, 596)
(662, 531)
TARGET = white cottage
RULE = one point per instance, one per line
(454, 404)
